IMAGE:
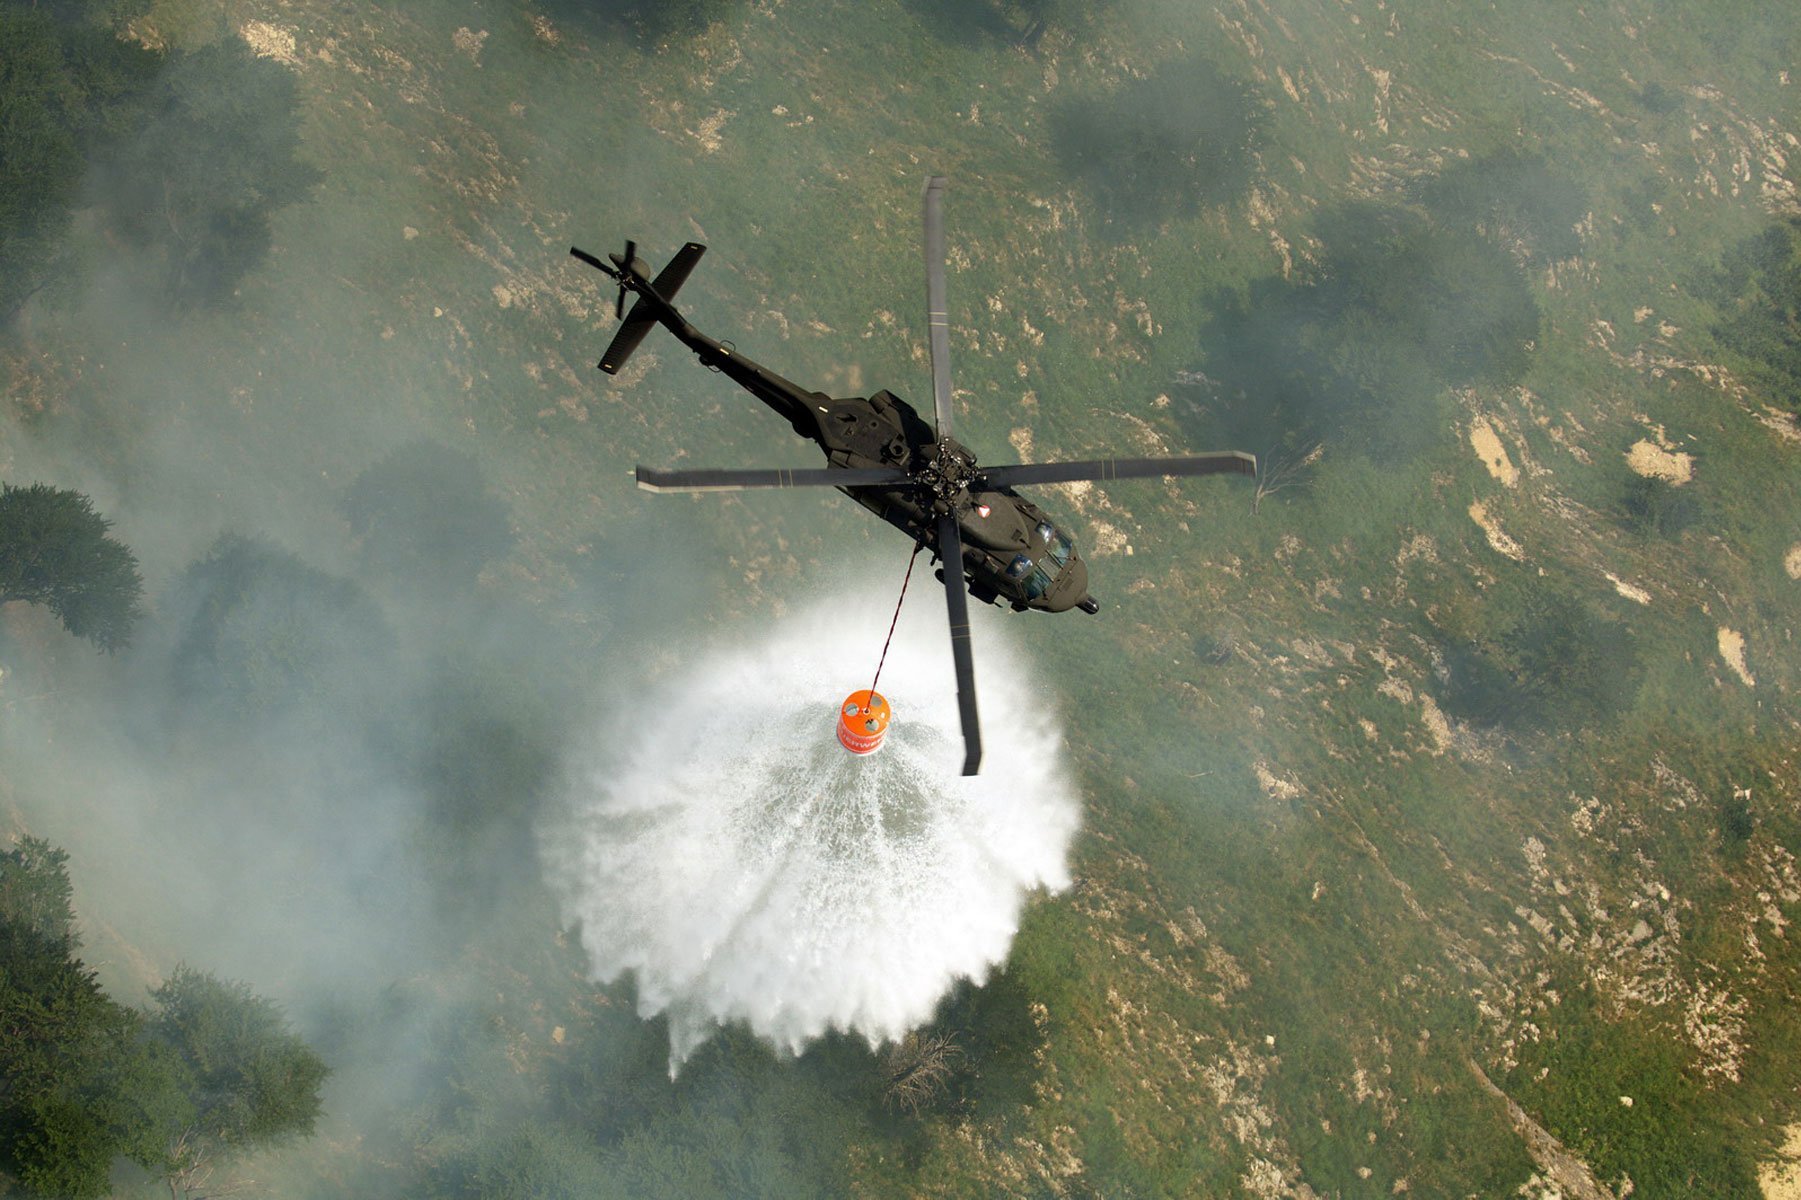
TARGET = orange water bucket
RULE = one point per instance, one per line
(863, 721)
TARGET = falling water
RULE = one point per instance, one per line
(731, 855)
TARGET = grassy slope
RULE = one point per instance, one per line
(1259, 864)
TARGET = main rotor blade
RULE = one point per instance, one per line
(956, 598)
(652, 480)
(1229, 462)
(937, 322)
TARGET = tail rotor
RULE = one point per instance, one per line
(631, 256)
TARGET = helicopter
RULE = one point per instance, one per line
(994, 544)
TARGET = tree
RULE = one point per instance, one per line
(653, 20)
(35, 889)
(213, 157)
(1516, 201)
(63, 82)
(1650, 505)
(79, 1084)
(254, 1081)
(1552, 663)
(422, 513)
(1161, 147)
(54, 551)
(259, 633)
(1361, 353)
(85, 1080)
(1013, 22)
(1758, 292)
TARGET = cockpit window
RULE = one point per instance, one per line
(1055, 543)
(1036, 578)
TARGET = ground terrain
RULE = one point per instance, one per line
(1343, 924)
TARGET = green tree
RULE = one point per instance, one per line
(79, 1084)
(254, 1081)
(85, 1080)
(1553, 662)
(1758, 291)
(62, 87)
(1517, 201)
(652, 20)
(422, 513)
(1651, 505)
(1361, 353)
(258, 633)
(54, 551)
(35, 889)
(1161, 147)
(214, 156)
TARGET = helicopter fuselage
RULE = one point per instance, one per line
(1013, 552)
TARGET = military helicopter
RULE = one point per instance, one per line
(909, 472)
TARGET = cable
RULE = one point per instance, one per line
(917, 547)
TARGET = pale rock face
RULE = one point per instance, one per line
(1654, 462)
(1732, 649)
(1487, 445)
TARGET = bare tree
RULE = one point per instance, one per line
(918, 1066)
(190, 1166)
(1276, 470)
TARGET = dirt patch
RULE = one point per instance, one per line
(1496, 538)
(1654, 462)
(270, 41)
(1637, 595)
(1791, 562)
(1487, 444)
(1780, 1178)
(1732, 649)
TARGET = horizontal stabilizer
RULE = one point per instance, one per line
(650, 306)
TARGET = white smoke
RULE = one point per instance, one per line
(745, 867)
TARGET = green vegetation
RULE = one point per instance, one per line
(423, 514)
(1538, 658)
(1758, 289)
(1515, 201)
(54, 551)
(66, 88)
(257, 632)
(213, 156)
(195, 152)
(1021, 23)
(1402, 307)
(1655, 506)
(211, 1072)
(653, 21)
(1371, 792)
(1160, 148)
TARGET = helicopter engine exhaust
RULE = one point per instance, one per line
(726, 851)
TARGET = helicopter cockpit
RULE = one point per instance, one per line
(1036, 578)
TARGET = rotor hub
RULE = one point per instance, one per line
(947, 475)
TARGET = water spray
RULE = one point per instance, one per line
(760, 874)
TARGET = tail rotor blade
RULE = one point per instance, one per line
(956, 598)
(937, 322)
